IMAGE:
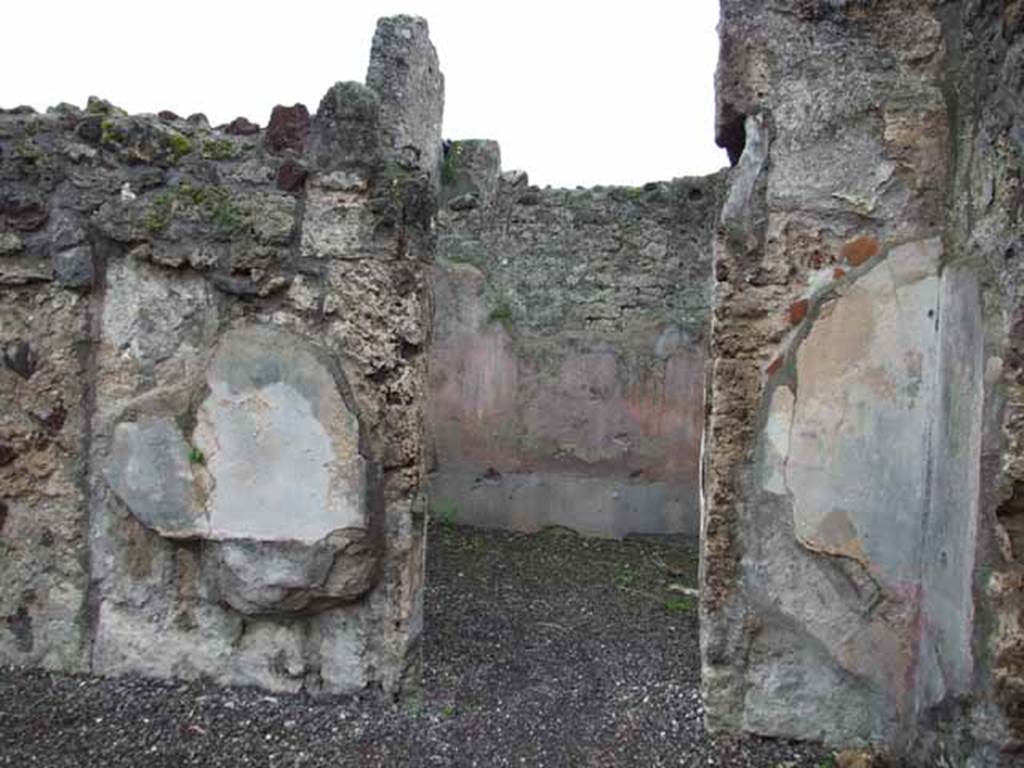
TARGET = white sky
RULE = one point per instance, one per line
(576, 93)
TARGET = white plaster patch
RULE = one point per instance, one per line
(776, 433)
(278, 442)
(269, 457)
(915, 261)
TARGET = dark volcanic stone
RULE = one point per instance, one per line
(20, 625)
(19, 357)
(466, 202)
(346, 129)
(530, 197)
(7, 455)
(291, 176)
(66, 230)
(23, 211)
(51, 420)
(67, 110)
(237, 286)
(74, 267)
(90, 129)
(97, 106)
(167, 115)
(241, 126)
(288, 128)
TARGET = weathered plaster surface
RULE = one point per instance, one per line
(151, 473)
(865, 375)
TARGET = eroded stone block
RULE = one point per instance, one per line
(150, 472)
(272, 577)
(272, 477)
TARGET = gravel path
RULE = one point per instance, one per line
(542, 650)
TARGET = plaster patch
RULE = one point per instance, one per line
(279, 443)
(858, 451)
(259, 443)
(776, 433)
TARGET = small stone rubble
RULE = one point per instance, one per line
(541, 650)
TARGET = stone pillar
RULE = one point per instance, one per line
(817, 616)
(860, 570)
(405, 74)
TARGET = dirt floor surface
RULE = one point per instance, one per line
(539, 650)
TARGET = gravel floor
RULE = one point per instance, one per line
(542, 650)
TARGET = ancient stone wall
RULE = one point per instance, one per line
(985, 233)
(214, 376)
(570, 339)
(860, 578)
(210, 413)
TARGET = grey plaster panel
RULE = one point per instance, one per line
(149, 470)
(594, 506)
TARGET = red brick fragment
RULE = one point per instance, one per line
(241, 126)
(859, 249)
(774, 366)
(798, 311)
(288, 128)
(291, 176)
(838, 273)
